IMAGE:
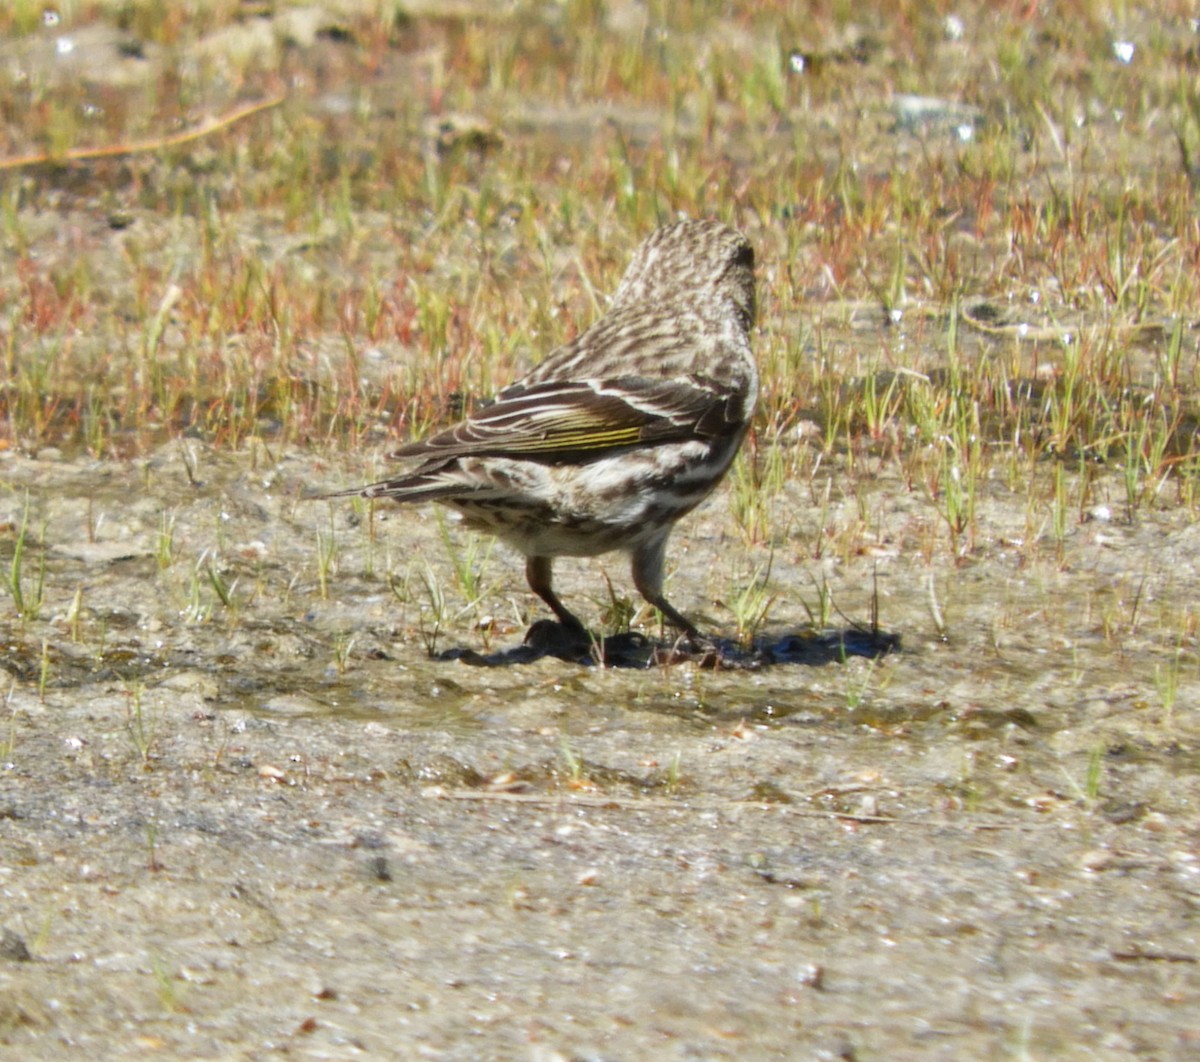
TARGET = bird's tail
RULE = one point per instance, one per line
(404, 489)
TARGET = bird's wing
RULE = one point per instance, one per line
(559, 422)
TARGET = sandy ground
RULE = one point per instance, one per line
(225, 836)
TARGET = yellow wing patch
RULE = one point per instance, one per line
(579, 439)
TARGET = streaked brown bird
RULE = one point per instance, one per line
(616, 435)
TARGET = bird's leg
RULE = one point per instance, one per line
(648, 578)
(541, 582)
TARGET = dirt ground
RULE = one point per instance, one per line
(219, 841)
(261, 796)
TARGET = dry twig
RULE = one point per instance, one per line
(204, 128)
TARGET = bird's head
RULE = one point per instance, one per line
(704, 266)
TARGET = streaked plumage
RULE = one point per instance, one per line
(616, 435)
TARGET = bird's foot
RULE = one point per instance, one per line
(694, 648)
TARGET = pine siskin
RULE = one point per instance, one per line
(616, 435)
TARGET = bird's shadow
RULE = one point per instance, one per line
(547, 638)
